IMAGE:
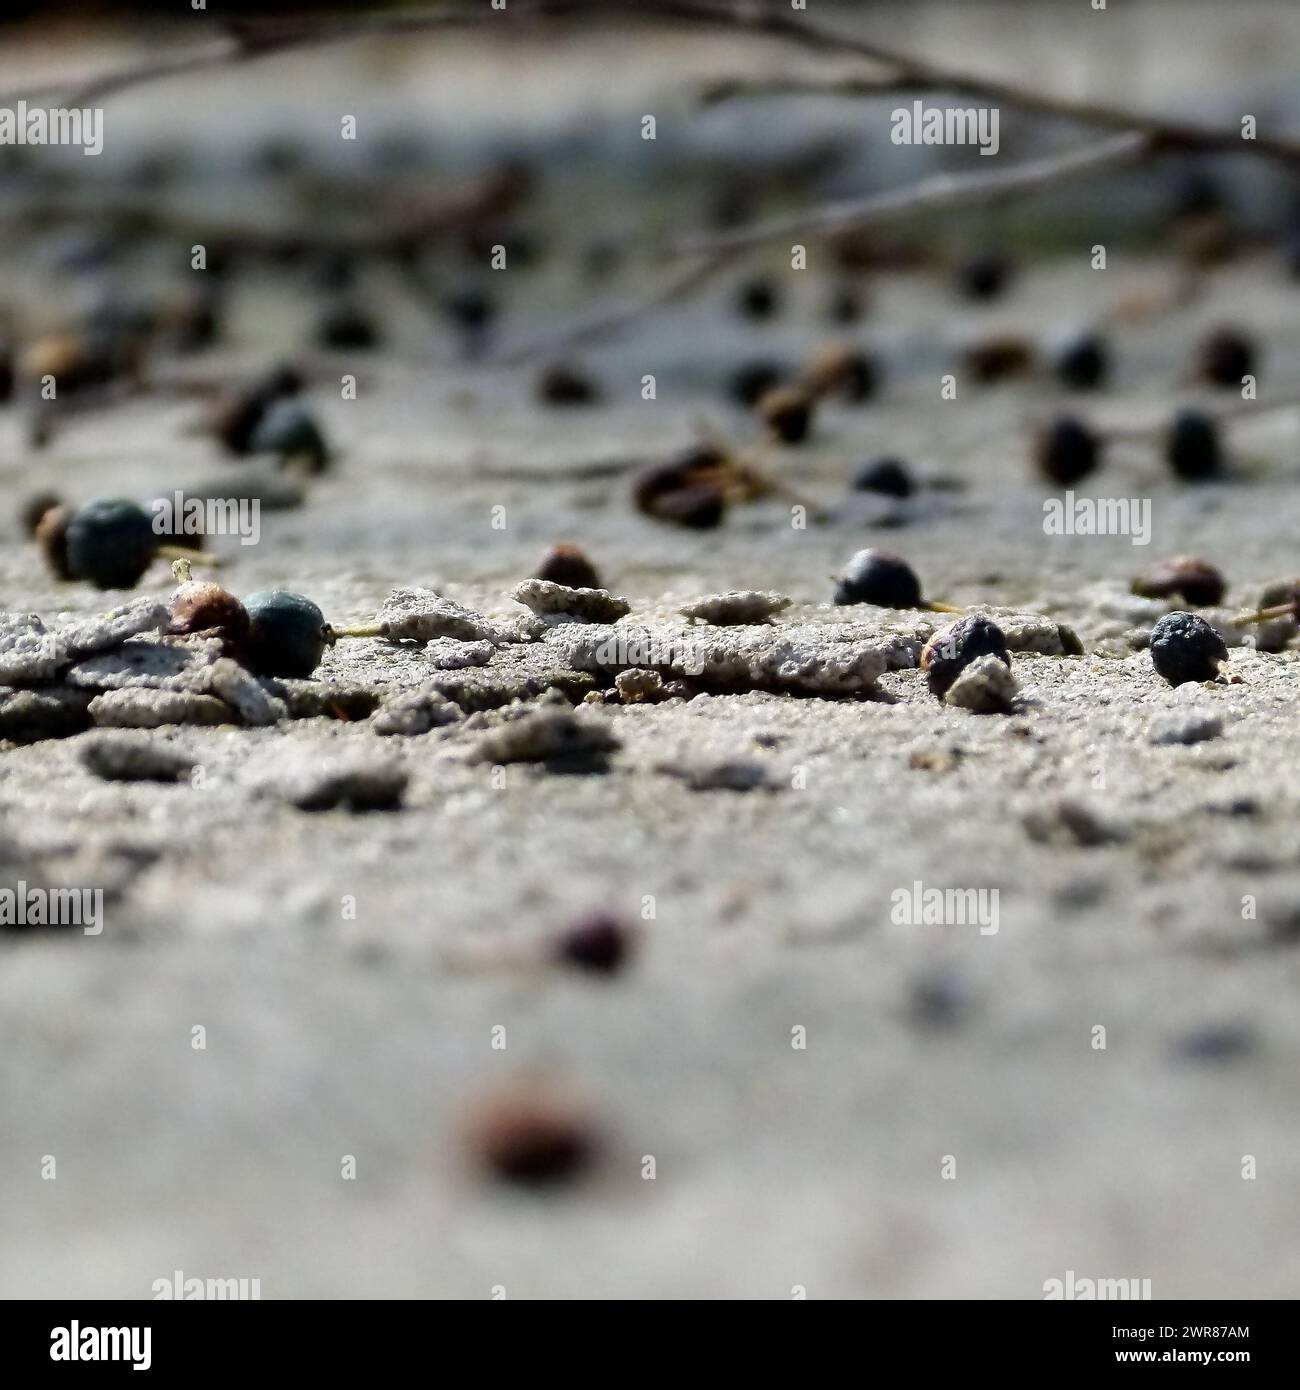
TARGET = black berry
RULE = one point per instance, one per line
(1184, 647)
(1225, 357)
(947, 654)
(787, 412)
(1066, 450)
(757, 299)
(753, 380)
(287, 634)
(983, 277)
(879, 578)
(111, 543)
(886, 475)
(601, 944)
(1192, 448)
(562, 384)
(344, 326)
(289, 430)
(1083, 363)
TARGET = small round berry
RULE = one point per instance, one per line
(699, 507)
(566, 564)
(35, 507)
(345, 326)
(287, 634)
(1225, 357)
(1185, 577)
(529, 1137)
(111, 543)
(51, 535)
(879, 578)
(787, 412)
(758, 299)
(1192, 448)
(888, 476)
(236, 416)
(753, 380)
(1066, 451)
(201, 606)
(983, 277)
(563, 384)
(947, 654)
(1083, 363)
(840, 369)
(1184, 647)
(600, 944)
(998, 357)
(289, 430)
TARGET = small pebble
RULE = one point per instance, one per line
(354, 783)
(986, 686)
(1197, 728)
(545, 735)
(1184, 647)
(152, 709)
(414, 712)
(228, 681)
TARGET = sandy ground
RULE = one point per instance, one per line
(950, 1129)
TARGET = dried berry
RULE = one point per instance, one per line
(34, 508)
(201, 606)
(1185, 577)
(562, 384)
(111, 543)
(1225, 357)
(1066, 451)
(998, 357)
(983, 277)
(566, 564)
(601, 944)
(885, 475)
(947, 654)
(51, 535)
(787, 412)
(753, 380)
(287, 634)
(532, 1138)
(879, 578)
(1192, 448)
(757, 299)
(289, 430)
(840, 369)
(1184, 647)
(1083, 363)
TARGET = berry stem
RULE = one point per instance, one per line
(182, 552)
(358, 630)
(1265, 615)
(933, 607)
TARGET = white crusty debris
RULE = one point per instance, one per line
(584, 605)
(736, 608)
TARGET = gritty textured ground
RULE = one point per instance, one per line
(1145, 843)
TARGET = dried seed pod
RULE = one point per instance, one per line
(879, 578)
(1184, 647)
(1194, 581)
(1192, 448)
(787, 412)
(947, 654)
(1225, 357)
(566, 564)
(841, 369)
(530, 1137)
(1066, 451)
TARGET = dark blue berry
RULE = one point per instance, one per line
(111, 543)
(1184, 647)
(1083, 363)
(287, 634)
(1066, 451)
(877, 577)
(289, 430)
(887, 475)
(947, 654)
(1192, 448)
